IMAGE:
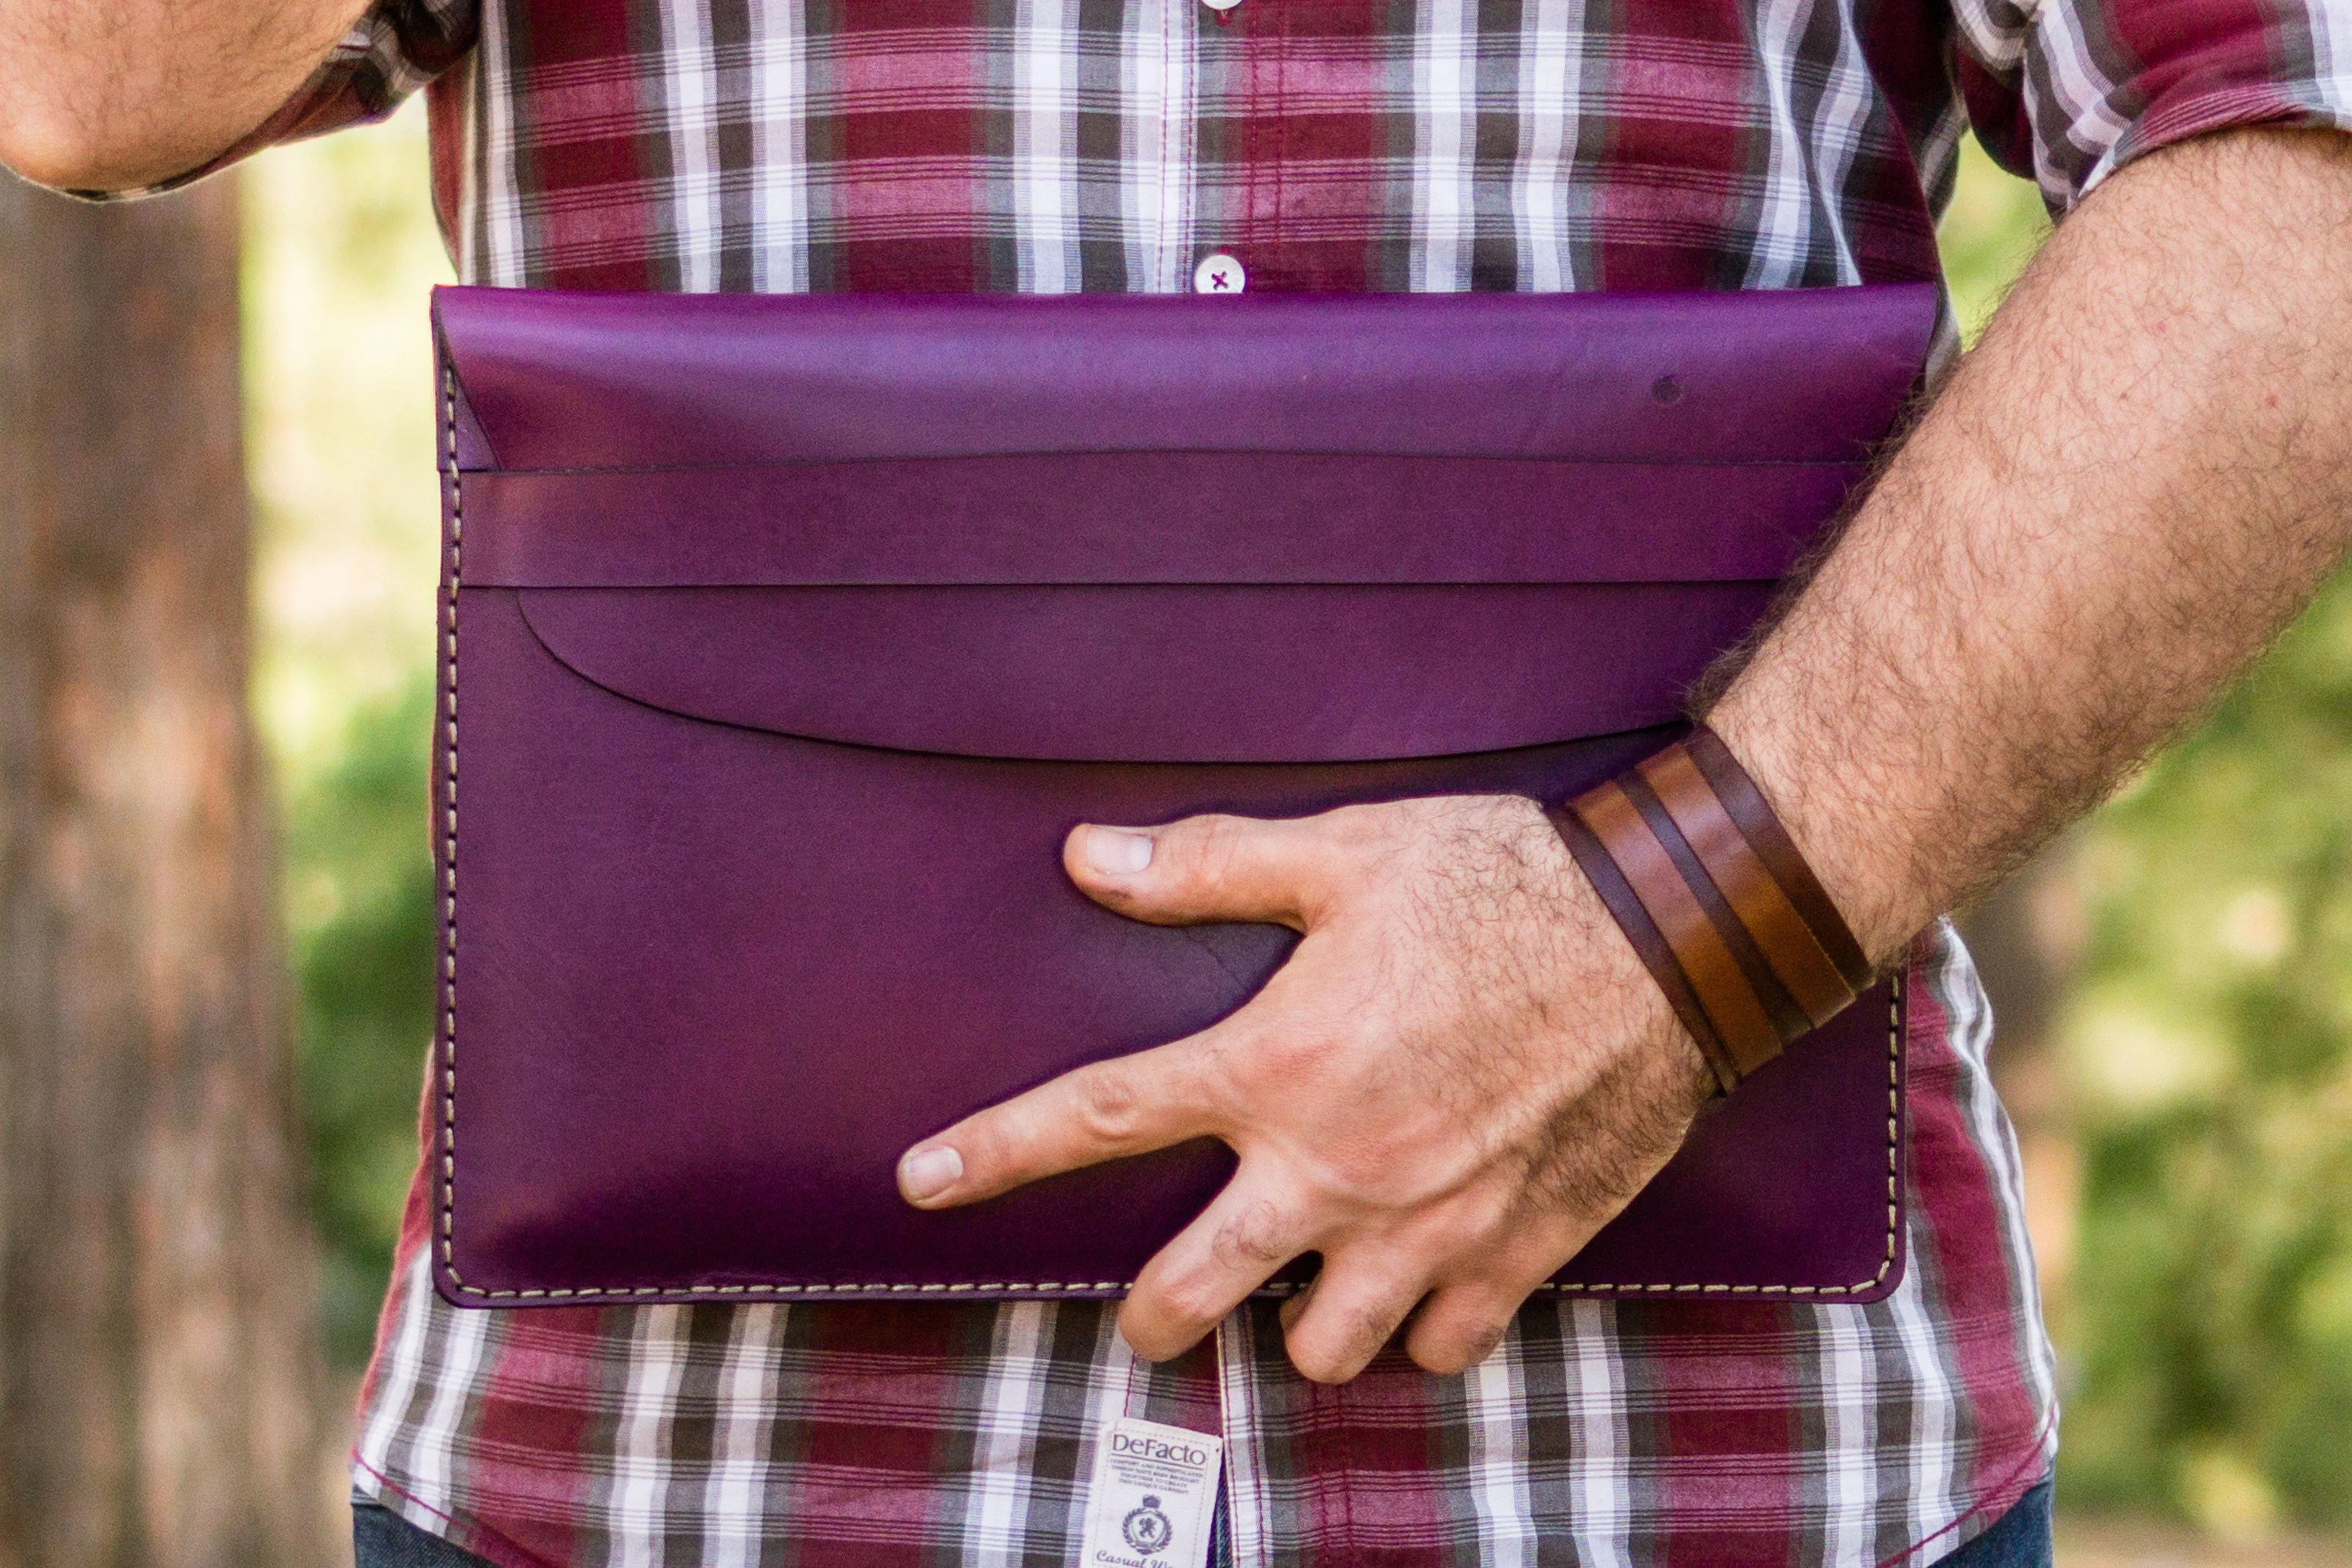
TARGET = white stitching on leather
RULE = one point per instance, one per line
(449, 851)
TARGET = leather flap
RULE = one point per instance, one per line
(1160, 530)
(1156, 674)
(561, 381)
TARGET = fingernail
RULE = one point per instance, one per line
(927, 1173)
(1116, 852)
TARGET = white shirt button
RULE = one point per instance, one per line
(1219, 273)
(1221, 4)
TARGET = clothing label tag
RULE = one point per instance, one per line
(1155, 1493)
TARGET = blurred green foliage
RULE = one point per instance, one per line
(1992, 229)
(2208, 1331)
(339, 251)
(363, 960)
(2209, 1050)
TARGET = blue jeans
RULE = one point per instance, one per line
(2019, 1539)
(380, 1538)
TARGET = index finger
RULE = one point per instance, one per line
(1104, 1111)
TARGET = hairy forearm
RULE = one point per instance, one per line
(112, 94)
(2119, 498)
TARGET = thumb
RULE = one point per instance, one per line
(1205, 868)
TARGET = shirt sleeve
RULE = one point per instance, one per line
(395, 49)
(2066, 92)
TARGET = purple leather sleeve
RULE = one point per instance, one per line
(786, 637)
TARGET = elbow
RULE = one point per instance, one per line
(44, 143)
(129, 105)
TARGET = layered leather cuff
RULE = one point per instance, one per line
(1694, 866)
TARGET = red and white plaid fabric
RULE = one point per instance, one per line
(1049, 146)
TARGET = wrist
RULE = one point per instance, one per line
(1847, 830)
(1705, 883)
(1624, 990)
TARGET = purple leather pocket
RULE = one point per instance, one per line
(786, 637)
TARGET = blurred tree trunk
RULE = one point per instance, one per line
(158, 1369)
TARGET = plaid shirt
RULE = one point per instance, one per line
(1050, 145)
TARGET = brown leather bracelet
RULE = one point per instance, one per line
(1648, 945)
(1786, 1019)
(1689, 859)
(1781, 934)
(1731, 1003)
(1760, 825)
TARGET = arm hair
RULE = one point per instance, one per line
(111, 95)
(2120, 497)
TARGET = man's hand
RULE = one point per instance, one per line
(1461, 1074)
(108, 95)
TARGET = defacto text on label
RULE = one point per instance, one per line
(1155, 1491)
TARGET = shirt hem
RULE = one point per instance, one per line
(2022, 1478)
(472, 1534)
